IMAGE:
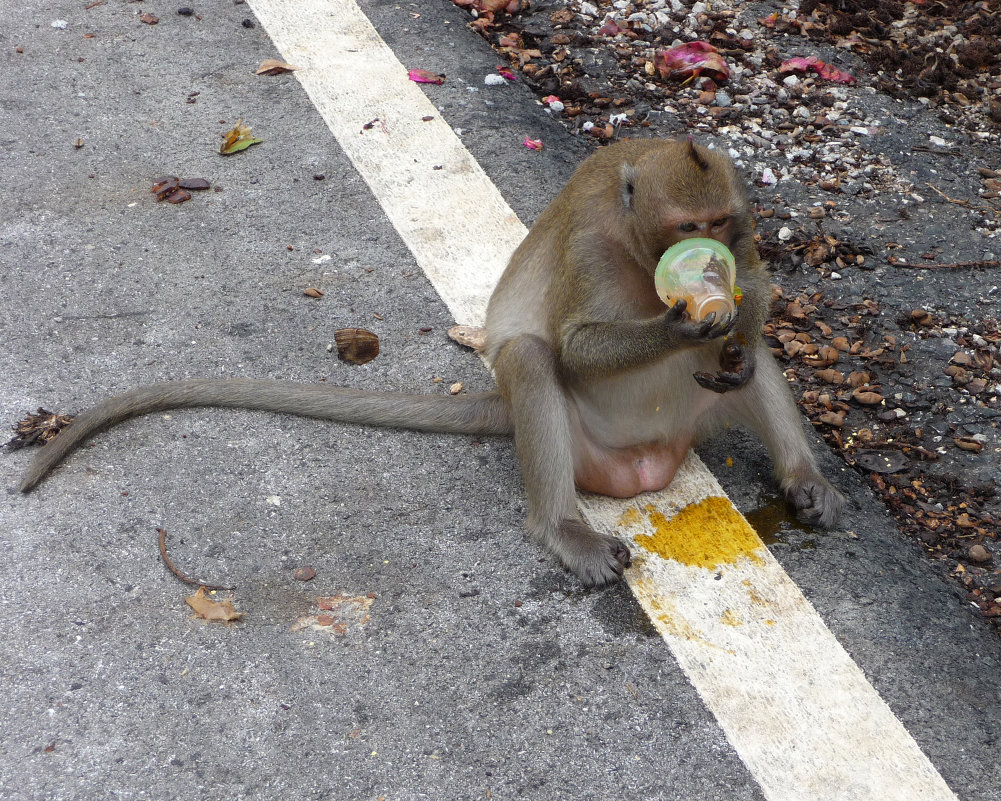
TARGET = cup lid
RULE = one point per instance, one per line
(688, 249)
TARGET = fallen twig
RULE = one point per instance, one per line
(163, 552)
(955, 265)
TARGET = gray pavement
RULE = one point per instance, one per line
(483, 670)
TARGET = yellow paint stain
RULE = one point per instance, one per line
(666, 617)
(730, 618)
(704, 534)
(630, 517)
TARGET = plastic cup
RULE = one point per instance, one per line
(701, 272)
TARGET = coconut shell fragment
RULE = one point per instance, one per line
(470, 336)
(356, 345)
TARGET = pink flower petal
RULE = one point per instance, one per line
(423, 76)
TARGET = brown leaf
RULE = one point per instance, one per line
(313, 292)
(149, 19)
(272, 66)
(817, 253)
(835, 419)
(356, 345)
(969, 444)
(216, 611)
(304, 573)
(841, 343)
(857, 378)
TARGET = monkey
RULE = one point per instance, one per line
(603, 386)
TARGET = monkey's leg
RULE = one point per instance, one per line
(543, 436)
(766, 405)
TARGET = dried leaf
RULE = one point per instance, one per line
(455, 389)
(830, 376)
(356, 345)
(470, 336)
(313, 292)
(216, 611)
(304, 574)
(149, 19)
(237, 138)
(37, 428)
(272, 66)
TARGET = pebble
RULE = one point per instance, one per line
(978, 553)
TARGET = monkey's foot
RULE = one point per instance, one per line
(596, 559)
(736, 369)
(815, 500)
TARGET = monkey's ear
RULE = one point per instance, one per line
(627, 174)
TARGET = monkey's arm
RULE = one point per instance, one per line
(594, 349)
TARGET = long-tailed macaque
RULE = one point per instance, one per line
(603, 387)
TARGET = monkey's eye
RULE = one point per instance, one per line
(719, 223)
(688, 227)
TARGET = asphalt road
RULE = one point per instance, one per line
(463, 663)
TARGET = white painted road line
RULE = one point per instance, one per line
(796, 708)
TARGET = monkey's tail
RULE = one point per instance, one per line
(485, 413)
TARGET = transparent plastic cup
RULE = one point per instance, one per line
(701, 272)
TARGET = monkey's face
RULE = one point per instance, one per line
(680, 192)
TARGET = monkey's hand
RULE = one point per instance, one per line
(684, 329)
(736, 369)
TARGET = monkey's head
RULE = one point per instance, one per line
(680, 190)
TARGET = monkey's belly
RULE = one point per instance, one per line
(625, 472)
